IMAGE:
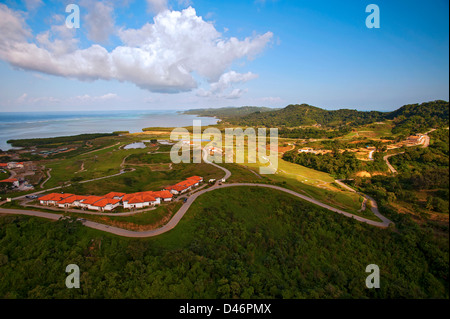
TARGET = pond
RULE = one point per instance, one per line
(134, 146)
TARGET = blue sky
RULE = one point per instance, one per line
(180, 54)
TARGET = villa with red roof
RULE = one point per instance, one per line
(185, 185)
(113, 199)
(105, 204)
(13, 181)
(71, 201)
(139, 200)
(114, 195)
(89, 201)
(164, 195)
(53, 198)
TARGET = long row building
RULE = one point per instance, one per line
(112, 200)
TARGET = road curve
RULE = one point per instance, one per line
(391, 168)
(180, 213)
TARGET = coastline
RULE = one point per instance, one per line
(15, 126)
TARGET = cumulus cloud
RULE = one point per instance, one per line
(88, 99)
(221, 88)
(33, 4)
(25, 99)
(162, 56)
(156, 6)
(99, 20)
(85, 99)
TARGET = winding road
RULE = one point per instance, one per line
(180, 213)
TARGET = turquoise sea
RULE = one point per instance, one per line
(18, 125)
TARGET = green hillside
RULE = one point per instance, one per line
(408, 119)
(227, 112)
(304, 114)
(414, 118)
(233, 243)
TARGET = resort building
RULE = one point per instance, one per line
(307, 150)
(112, 200)
(89, 201)
(184, 186)
(53, 198)
(139, 200)
(72, 201)
(114, 195)
(105, 204)
(12, 165)
(13, 181)
(165, 196)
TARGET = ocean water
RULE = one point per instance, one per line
(19, 125)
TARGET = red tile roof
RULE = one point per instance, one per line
(139, 198)
(162, 194)
(71, 199)
(182, 185)
(3, 164)
(9, 180)
(92, 199)
(199, 178)
(114, 194)
(54, 197)
(105, 201)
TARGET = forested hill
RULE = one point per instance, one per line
(414, 118)
(408, 119)
(227, 112)
(304, 114)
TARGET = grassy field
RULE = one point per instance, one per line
(371, 131)
(145, 179)
(4, 175)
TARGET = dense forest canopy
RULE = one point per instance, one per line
(227, 112)
(273, 246)
(51, 141)
(416, 118)
(304, 114)
(408, 119)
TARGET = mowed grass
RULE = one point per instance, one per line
(315, 184)
(97, 164)
(373, 131)
(145, 179)
(4, 175)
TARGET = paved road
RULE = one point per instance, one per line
(82, 182)
(48, 177)
(179, 215)
(391, 168)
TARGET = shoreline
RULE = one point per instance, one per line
(64, 127)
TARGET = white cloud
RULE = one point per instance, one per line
(162, 56)
(225, 82)
(33, 4)
(99, 20)
(157, 6)
(86, 99)
(25, 99)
